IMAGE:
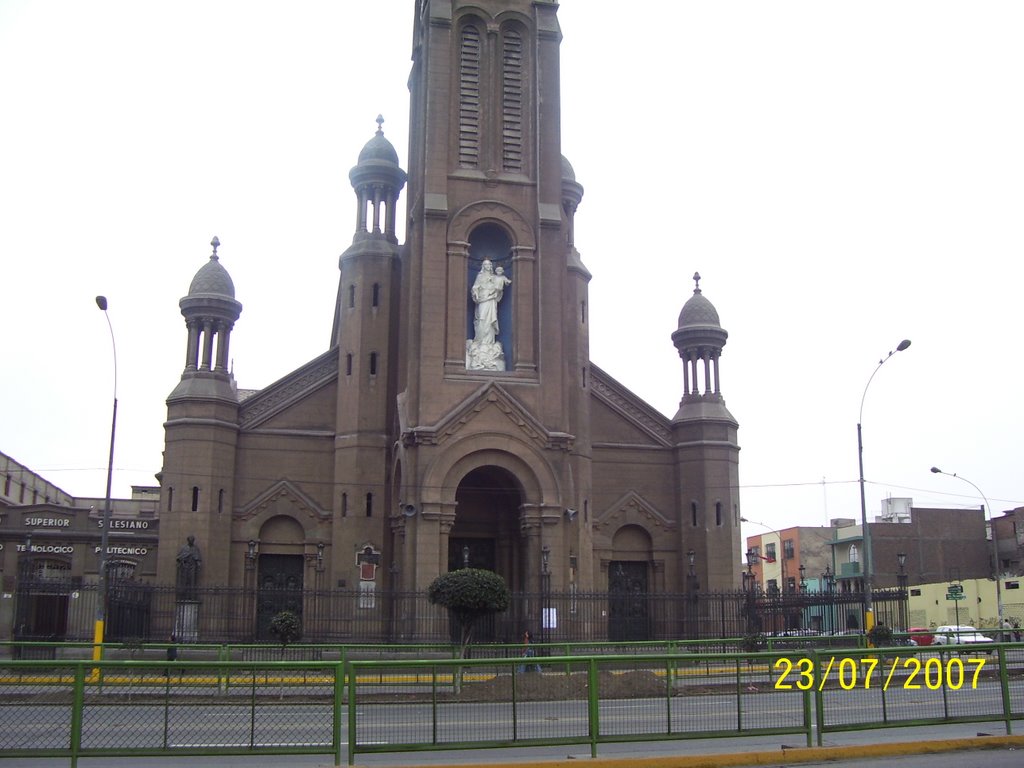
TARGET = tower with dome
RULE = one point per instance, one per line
(455, 417)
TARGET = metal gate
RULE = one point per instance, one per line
(628, 610)
(280, 589)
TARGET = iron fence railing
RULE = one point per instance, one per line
(64, 611)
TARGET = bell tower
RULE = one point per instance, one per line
(201, 431)
(706, 447)
(494, 292)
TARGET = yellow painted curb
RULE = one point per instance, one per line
(791, 756)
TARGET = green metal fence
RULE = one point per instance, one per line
(404, 706)
(93, 709)
(428, 700)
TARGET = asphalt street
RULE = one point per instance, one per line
(907, 748)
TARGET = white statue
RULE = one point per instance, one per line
(484, 351)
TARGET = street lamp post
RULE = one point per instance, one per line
(869, 616)
(750, 583)
(545, 587)
(829, 580)
(692, 585)
(901, 580)
(995, 541)
(101, 604)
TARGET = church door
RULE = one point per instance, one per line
(627, 601)
(280, 589)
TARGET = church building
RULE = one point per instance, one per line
(456, 417)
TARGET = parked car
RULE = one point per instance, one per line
(921, 635)
(958, 634)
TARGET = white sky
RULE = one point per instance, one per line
(843, 175)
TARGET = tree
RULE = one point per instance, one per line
(287, 627)
(880, 636)
(469, 594)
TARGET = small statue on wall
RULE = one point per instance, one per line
(189, 561)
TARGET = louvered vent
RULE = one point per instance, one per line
(469, 98)
(512, 102)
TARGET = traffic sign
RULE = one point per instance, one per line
(955, 589)
(955, 595)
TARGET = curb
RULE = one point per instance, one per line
(790, 756)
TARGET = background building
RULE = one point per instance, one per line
(791, 559)
(939, 544)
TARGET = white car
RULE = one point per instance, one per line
(958, 635)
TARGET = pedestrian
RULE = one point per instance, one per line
(528, 653)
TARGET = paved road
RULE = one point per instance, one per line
(848, 745)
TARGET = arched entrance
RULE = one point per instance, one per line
(279, 573)
(628, 609)
(486, 533)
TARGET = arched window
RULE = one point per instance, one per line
(512, 97)
(854, 554)
(470, 54)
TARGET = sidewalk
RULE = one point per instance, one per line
(698, 753)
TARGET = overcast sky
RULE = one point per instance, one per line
(842, 175)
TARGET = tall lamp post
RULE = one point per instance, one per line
(101, 604)
(869, 609)
(995, 541)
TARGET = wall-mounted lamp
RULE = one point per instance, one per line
(319, 555)
(465, 556)
(570, 514)
(545, 554)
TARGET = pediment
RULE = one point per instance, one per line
(283, 489)
(489, 402)
(632, 509)
(629, 407)
(288, 391)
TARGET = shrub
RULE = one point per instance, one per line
(286, 626)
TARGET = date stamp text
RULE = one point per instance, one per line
(910, 673)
